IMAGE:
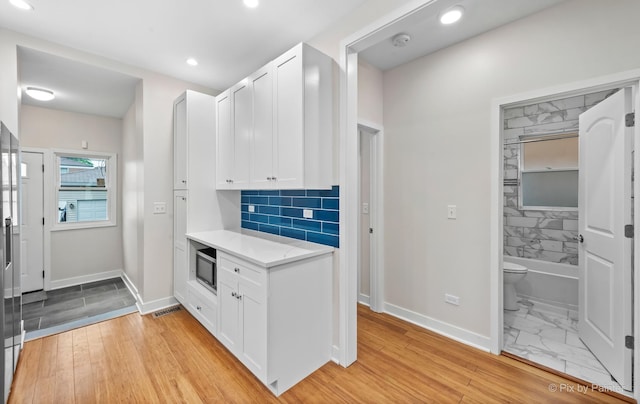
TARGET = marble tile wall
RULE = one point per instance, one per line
(543, 235)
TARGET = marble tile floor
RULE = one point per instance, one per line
(76, 302)
(548, 335)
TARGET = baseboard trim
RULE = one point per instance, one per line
(129, 284)
(155, 305)
(78, 280)
(335, 354)
(450, 331)
(363, 299)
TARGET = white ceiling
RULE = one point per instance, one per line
(428, 35)
(78, 87)
(229, 40)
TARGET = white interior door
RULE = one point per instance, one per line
(605, 317)
(32, 253)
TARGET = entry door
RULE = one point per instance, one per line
(605, 254)
(32, 222)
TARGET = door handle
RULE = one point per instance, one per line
(9, 235)
(579, 238)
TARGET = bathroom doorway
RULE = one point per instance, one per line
(563, 316)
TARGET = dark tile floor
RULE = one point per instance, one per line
(76, 302)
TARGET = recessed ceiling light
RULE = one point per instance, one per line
(21, 4)
(40, 94)
(251, 3)
(192, 62)
(451, 15)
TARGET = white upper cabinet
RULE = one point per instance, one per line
(262, 147)
(224, 140)
(281, 125)
(180, 156)
(242, 121)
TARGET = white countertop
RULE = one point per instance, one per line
(261, 249)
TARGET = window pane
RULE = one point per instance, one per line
(82, 205)
(82, 172)
(550, 154)
(551, 188)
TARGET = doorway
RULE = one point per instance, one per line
(370, 239)
(575, 310)
(32, 176)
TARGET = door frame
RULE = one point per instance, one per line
(388, 25)
(376, 215)
(622, 79)
(47, 191)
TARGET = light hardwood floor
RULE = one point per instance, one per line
(173, 359)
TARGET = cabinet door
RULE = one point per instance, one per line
(228, 304)
(224, 142)
(180, 268)
(289, 123)
(242, 121)
(262, 145)
(180, 144)
(253, 322)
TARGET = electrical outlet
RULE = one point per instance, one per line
(307, 213)
(252, 208)
(451, 299)
(159, 208)
(451, 212)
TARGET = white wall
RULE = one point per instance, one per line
(130, 163)
(370, 93)
(154, 180)
(437, 127)
(81, 252)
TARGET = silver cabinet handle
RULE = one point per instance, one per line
(238, 296)
(233, 294)
(273, 178)
(579, 238)
(236, 270)
(198, 308)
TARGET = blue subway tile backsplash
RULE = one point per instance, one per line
(280, 212)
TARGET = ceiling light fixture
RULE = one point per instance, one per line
(21, 4)
(451, 15)
(39, 94)
(251, 3)
(192, 62)
(400, 40)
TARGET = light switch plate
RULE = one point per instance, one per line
(159, 208)
(307, 213)
(365, 208)
(451, 212)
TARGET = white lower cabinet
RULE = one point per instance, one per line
(276, 320)
(243, 314)
(180, 263)
(203, 305)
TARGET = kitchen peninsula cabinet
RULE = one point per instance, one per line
(274, 303)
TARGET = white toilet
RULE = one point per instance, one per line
(512, 273)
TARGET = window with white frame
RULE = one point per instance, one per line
(549, 170)
(85, 189)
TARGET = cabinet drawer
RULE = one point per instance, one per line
(230, 266)
(203, 309)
